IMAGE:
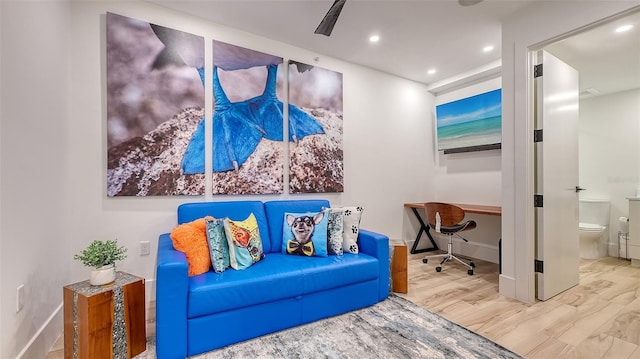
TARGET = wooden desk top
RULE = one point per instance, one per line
(469, 208)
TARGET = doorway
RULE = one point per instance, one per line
(608, 60)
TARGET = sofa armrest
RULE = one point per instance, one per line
(172, 285)
(377, 245)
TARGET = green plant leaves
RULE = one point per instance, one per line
(99, 254)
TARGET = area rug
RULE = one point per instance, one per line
(394, 328)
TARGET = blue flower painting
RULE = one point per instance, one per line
(472, 121)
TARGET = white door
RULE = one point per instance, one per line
(557, 244)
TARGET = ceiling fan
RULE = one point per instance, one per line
(329, 20)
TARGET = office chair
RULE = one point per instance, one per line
(449, 217)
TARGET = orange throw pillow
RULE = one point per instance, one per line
(191, 238)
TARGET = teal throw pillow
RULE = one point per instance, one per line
(218, 246)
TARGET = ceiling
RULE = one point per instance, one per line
(419, 35)
(607, 61)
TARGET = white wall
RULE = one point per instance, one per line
(2, 299)
(470, 177)
(35, 173)
(609, 142)
(529, 29)
(474, 178)
(54, 158)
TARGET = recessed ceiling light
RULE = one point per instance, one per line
(624, 28)
(431, 71)
(487, 48)
(374, 38)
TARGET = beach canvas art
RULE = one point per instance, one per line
(469, 122)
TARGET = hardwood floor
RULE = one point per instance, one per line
(599, 318)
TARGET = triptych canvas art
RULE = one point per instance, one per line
(158, 133)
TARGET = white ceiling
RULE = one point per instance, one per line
(606, 61)
(419, 35)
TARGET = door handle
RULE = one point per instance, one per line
(578, 189)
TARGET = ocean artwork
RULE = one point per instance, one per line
(469, 122)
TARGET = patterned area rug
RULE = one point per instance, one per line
(395, 328)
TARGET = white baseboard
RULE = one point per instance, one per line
(45, 337)
(482, 251)
(612, 251)
(507, 286)
(150, 290)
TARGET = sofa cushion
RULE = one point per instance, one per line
(275, 214)
(235, 210)
(218, 246)
(191, 239)
(322, 273)
(275, 277)
(305, 233)
(243, 239)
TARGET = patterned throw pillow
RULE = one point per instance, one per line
(305, 234)
(335, 229)
(218, 246)
(191, 238)
(245, 245)
(351, 225)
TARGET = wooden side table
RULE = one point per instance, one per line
(399, 277)
(105, 321)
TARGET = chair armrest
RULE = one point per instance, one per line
(172, 286)
(377, 245)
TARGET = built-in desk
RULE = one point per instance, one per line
(418, 208)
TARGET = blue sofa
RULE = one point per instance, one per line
(212, 310)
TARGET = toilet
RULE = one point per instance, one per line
(594, 228)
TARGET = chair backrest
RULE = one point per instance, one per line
(450, 214)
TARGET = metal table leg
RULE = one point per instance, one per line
(423, 228)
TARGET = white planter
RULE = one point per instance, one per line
(104, 275)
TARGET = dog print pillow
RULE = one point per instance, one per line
(305, 234)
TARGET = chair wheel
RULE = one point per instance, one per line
(473, 265)
(470, 272)
(425, 260)
(438, 269)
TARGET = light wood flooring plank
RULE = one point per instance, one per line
(599, 318)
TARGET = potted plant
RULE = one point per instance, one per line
(102, 257)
